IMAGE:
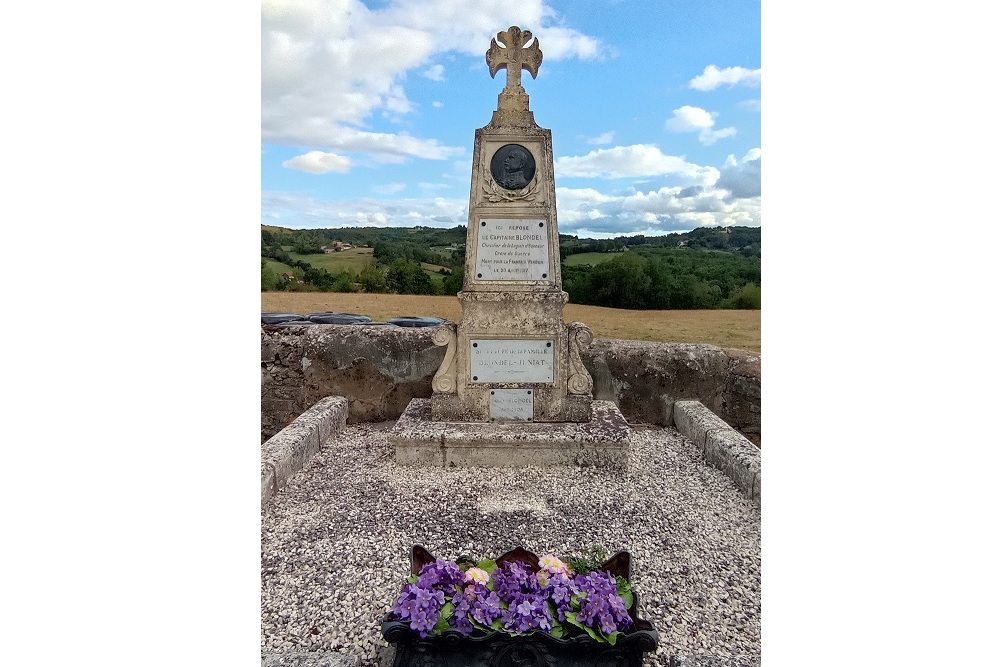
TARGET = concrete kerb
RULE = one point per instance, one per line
(289, 449)
(723, 446)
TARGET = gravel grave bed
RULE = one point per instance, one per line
(335, 543)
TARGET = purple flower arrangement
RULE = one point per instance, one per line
(515, 598)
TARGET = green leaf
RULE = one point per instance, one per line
(412, 579)
(613, 637)
(447, 611)
(557, 631)
(593, 633)
(488, 565)
(497, 624)
(625, 591)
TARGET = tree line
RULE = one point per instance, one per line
(706, 268)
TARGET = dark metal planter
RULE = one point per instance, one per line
(536, 649)
(453, 649)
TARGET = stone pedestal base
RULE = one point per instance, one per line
(602, 441)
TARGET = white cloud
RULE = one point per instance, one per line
(435, 72)
(660, 211)
(638, 160)
(602, 139)
(300, 211)
(560, 43)
(742, 178)
(389, 188)
(713, 77)
(318, 162)
(382, 146)
(690, 119)
(709, 137)
(436, 104)
(750, 105)
(584, 211)
(327, 65)
(696, 119)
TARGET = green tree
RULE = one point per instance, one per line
(372, 278)
(406, 277)
(622, 282)
(269, 279)
(746, 298)
(453, 283)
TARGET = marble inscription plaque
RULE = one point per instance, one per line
(511, 404)
(515, 360)
(512, 250)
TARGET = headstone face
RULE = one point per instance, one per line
(512, 337)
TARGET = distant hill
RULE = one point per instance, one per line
(708, 267)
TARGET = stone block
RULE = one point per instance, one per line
(639, 375)
(328, 416)
(601, 441)
(266, 483)
(667, 409)
(736, 456)
(289, 450)
(695, 421)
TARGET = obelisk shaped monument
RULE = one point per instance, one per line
(512, 358)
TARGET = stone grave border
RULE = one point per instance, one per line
(723, 446)
(288, 451)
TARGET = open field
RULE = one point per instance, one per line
(589, 258)
(725, 328)
(281, 267)
(352, 259)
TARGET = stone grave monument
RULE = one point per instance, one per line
(512, 389)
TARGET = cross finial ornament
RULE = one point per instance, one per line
(514, 56)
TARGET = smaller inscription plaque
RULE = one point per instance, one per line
(511, 249)
(511, 404)
(510, 360)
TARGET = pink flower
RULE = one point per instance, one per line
(477, 575)
(551, 564)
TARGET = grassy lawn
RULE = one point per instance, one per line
(352, 259)
(589, 258)
(281, 267)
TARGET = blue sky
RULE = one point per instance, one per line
(369, 110)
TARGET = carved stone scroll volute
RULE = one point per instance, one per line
(580, 382)
(444, 381)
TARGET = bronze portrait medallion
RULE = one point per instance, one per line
(512, 167)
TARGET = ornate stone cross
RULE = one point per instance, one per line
(514, 56)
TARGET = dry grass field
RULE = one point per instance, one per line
(725, 328)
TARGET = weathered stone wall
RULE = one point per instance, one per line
(282, 388)
(379, 369)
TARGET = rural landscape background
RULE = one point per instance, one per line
(701, 286)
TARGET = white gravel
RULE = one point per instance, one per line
(335, 543)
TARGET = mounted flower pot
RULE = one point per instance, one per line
(517, 610)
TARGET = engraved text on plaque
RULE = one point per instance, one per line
(512, 250)
(516, 360)
(511, 404)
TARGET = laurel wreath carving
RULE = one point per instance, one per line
(496, 193)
